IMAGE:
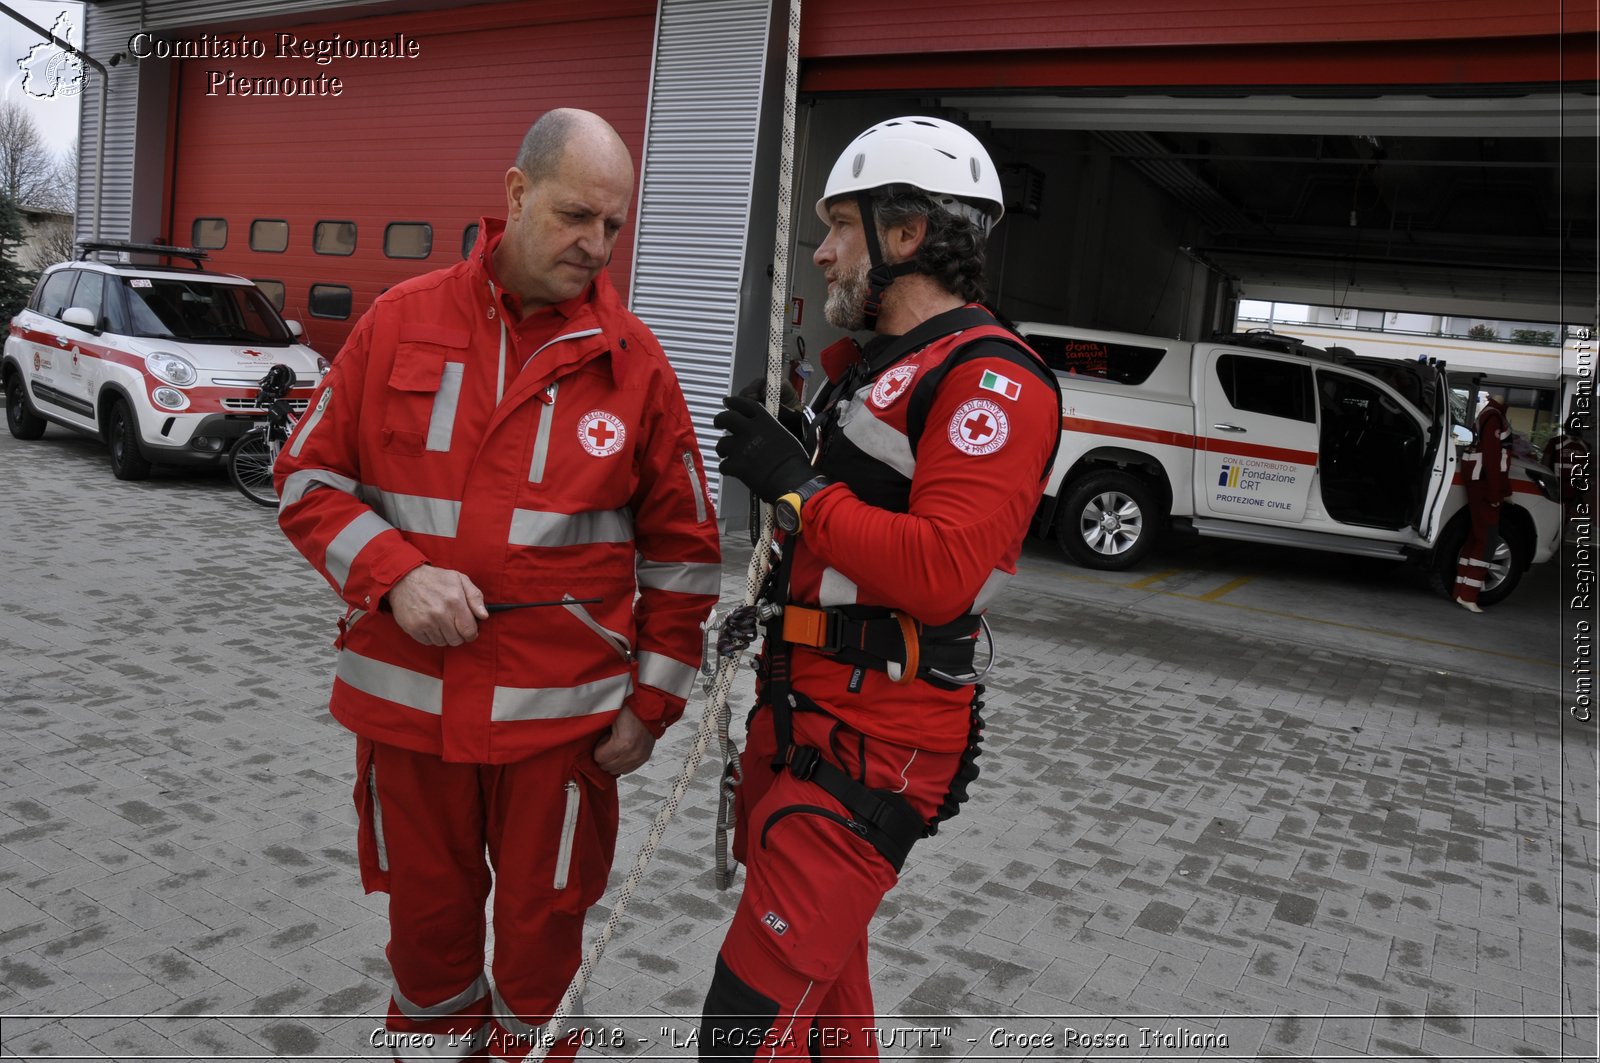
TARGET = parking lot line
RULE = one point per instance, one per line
(1226, 589)
(1152, 580)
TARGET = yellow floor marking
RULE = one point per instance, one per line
(1226, 588)
(1151, 581)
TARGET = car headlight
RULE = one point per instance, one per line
(323, 365)
(170, 398)
(171, 369)
(1549, 485)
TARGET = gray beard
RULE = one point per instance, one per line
(847, 302)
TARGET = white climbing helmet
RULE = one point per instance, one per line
(931, 154)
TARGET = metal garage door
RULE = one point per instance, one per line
(417, 144)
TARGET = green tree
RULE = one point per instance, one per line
(16, 282)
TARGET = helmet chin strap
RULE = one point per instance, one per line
(880, 274)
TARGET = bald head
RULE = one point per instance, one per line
(568, 128)
(567, 199)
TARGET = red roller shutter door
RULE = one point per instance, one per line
(918, 45)
(408, 140)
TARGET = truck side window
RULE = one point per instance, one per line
(1268, 386)
(1123, 363)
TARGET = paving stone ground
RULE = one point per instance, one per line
(1186, 843)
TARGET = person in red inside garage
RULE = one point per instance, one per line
(1488, 475)
(935, 439)
(499, 460)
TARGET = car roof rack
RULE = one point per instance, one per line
(91, 247)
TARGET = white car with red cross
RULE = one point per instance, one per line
(162, 362)
(1260, 438)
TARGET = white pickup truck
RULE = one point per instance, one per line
(1261, 438)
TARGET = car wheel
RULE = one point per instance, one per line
(20, 418)
(1110, 520)
(1512, 555)
(122, 434)
(250, 467)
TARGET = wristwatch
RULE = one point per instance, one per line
(786, 511)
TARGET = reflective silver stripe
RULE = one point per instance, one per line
(304, 430)
(695, 488)
(569, 827)
(877, 439)
(377, 825)
(424, 1048)
(533, 527)
(685, 577)
(414, 690)
(836, 589)
(299, 484)
(442, 423)
(445, 1008)
(415, 513)
(554, 703)
(350, 541)
(618, 641)
(541, 439)
(666, 674)
(990, 590)
(1474, 563)
(534, 1037)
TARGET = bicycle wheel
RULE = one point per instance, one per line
(250, 467)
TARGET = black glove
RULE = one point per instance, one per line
(790, 409)
(759, 451)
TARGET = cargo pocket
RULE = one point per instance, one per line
(371, 851)
(587, 840)
(423, 388)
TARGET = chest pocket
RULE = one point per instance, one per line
(423, 391)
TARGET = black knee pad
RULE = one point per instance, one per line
(737, 1020)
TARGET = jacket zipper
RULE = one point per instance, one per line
(616, 641)
(569, 827)
(695, 488)
(541, 439)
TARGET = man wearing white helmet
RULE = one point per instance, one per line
(934, 441)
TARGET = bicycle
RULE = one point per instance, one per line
(253, 455)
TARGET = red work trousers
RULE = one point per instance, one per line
(799, 935)
(1472, 570)
(548, 827)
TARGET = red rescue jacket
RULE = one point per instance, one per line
(585, 481)
(939, 547)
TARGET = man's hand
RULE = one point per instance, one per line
(759, 451)
(626, 746)
(437, 606)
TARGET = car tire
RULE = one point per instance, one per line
(122, 437)
(1512, 556)
(20, 418)
(1110, 520)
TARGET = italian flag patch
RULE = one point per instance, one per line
(1004, 385)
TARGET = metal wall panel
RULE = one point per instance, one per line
(107, 28)
(695, 200)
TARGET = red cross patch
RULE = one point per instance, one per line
(979, 427)
(601, 434)
(892, 385)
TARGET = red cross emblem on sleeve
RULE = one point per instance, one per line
(979, 427)
(601, 434)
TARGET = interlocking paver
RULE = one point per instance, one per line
(1170, 819)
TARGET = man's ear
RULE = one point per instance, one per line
(517, 186)
(902, 241)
